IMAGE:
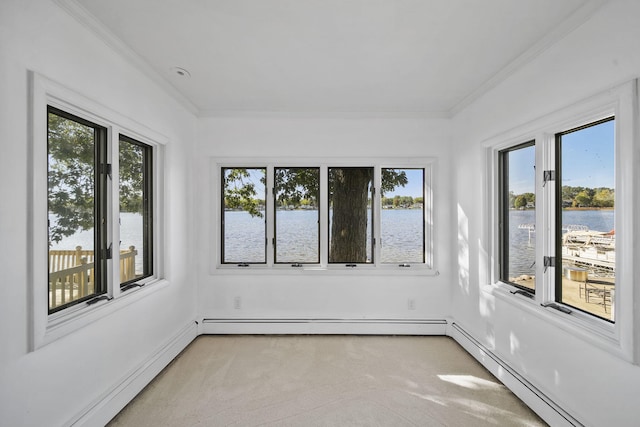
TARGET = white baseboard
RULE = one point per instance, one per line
(103, 409)
(325, 326)
(539, 402)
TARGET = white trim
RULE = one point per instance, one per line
(324, 326)
(429, 164)
(107, 406)
(400, 115)
(45, 328)
(544, 405)
(621, 101)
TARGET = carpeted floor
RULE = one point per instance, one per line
(325, 381)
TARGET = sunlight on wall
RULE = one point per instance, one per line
(463, 250)
(514, 344)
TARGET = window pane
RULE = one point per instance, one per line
(243, 215)
(518, 216)
(297, 215)
(71, 210)
(135, 210)
(402, 216)
(350, 217)
(586, 230)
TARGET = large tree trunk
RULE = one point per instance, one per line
(350, 188)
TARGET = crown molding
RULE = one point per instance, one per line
(324, 114)
(85, 18)
(575, 20)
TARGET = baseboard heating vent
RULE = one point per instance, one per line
(533, 396)
(324, 326)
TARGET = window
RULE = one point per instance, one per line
(582, 235)
(325, 215)
(95, 210)
(76, 209)
(517, 210)
(243, 216)
(350, 216)
(585, 218)
(136, 209)
(578, 187)
(402, 218)
(79, 176)
(297, 215)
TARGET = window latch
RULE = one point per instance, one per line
(100, 298)
(351, 265)
(549, 261)
(557, 307)
(106, 169)
(107, 252)
(131, 286)
(523, 293)
(548, 176)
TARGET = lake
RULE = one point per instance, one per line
(297, 236)
(522, 252)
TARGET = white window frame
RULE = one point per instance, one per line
(621, 102)
(323, 267)
(46, 328)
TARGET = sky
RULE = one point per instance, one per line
(414, 187)
(587, 160)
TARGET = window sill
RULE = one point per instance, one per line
(67, 321)
(603, 334)
(332, 270)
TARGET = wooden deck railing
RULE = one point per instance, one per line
(71, 273)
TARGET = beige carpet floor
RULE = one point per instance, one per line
(325, 381)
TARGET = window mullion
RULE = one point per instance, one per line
(113, 208)
(269, 216)
(376, 206)
(324, 215)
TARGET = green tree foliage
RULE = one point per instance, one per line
(603, 198)
(297, 186)
(582, 199)
(240, 190)
(520, 202)
(572, 196)
(71, 177)
(132, 173)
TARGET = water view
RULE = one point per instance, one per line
(522, 250)
(297, 236)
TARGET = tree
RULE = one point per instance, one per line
(72, 148)
(70, 177)
(603, 198)
(349, 190)
(240, 190)
(582, 199)
(520, 202)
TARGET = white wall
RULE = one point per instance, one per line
(593, 385)
(58, 382)
(322, 295)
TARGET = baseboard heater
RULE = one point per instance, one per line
(324, 326)
(542, 404)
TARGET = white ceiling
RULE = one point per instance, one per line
(424, 57)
